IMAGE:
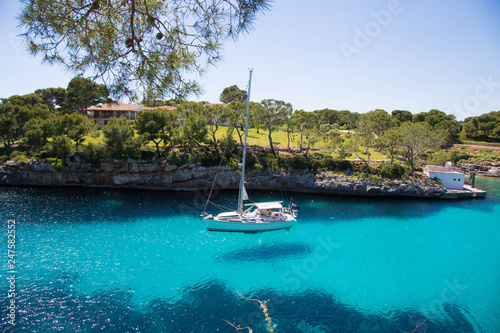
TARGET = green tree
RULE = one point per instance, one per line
(233, 93)
(486, 124)
(417, 138)
(311, 138)
(186, 109)
(59, 147)
(216, 115)
(157, 125)
(38, 131)
(272, 115)
(305, 123)
(118, 136)
(253, 121)
(470, 128)
(194, 131)
(327, 116)
(236, 98)
(55, 98)
(377, 122)
(433, 117)
(390, 141)
(133, 43)
(450, 128)
(365, 135)
(75, 127)
(402, 115)
(83, 93)
(24, 108)
(8, 124)
(331, 136)
(348, 118)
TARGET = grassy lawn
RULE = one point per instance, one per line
(466, 141)
(256, 139)
(260, 139)
(280, 140)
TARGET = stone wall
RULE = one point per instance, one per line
(163, 176)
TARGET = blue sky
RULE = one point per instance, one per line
(360, 55)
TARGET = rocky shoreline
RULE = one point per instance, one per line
(159, 175)
(487, 169)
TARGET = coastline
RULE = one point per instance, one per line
(158, 175)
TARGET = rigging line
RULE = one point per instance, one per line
(220, 164)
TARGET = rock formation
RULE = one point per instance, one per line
(159, 175)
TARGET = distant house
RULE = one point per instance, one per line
(451, 179)
(101, 114)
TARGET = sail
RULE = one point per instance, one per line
(244, 193)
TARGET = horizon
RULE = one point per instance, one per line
(367, 56)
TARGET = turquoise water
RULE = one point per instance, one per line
(99, 260)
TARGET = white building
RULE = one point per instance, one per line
(452, 180)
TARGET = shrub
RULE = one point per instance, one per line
(59, 147)
(93, 153)
(365, 169)
(331, 164)
(295, 163)
(147, 153)
(178, 159)
(267, 160)
(441, 157)
(57, 163)
(19, 156)
(206, 157)
(232, 146)
(251, 160)
(258, 167)
(391, 170)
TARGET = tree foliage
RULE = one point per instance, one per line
(216, 115)
(119, 138)
(485, 126)
(83, 93)
(233, 93)
(417, 138)
(133, 43)
(75, 127)
(55, 98)
(272, 115)
(402, 115)
(391, 140)
(306, 124)
(236, 98)
(157, 125)
(194, 131)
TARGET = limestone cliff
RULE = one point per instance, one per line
(160, 175)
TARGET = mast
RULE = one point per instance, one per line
(242, 180)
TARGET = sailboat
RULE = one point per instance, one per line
(255, 216)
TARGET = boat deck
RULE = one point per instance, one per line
(467, 192)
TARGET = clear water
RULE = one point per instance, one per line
(123, 261)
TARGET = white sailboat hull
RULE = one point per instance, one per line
(237, 225)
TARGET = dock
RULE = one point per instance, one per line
(467, 192)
